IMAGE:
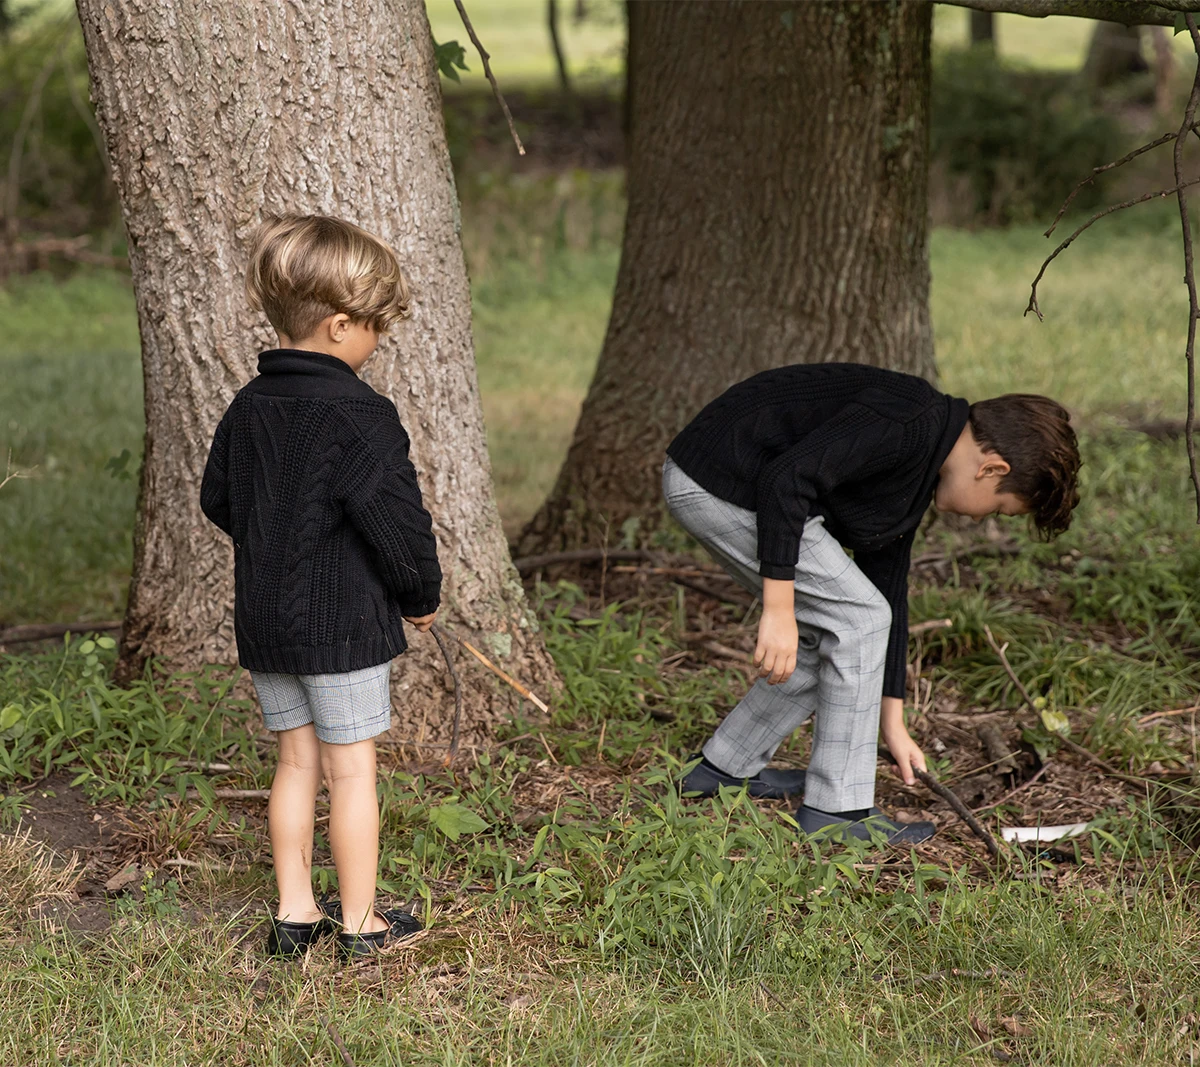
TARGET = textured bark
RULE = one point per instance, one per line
(1126, 12)
(214, 112)
(778, 172)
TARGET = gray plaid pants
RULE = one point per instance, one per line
(844, 623)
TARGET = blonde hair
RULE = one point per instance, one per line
(304, 268)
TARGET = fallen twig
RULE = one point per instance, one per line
(960, 809)
(1074, 746)
(441, 641)
(526, 693)
(931, 624)
(526, 564)
(1155, 716)
(731, 596)
(347, 1059)
(487, 69)
(41, 631)
(958, 972)
(1013, 792)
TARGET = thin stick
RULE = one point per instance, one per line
(1189, 274)
(925, 627)
(1154, 716)
(1013, 792)
(501, 674)
(347, 1059)
(1097, 171)
(963, 812)
(487, 69)
(525, 564)
(1074, 746)
(1157, 194)
(40, 631)
(437, 636)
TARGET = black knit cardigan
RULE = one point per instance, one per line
(858, 445)
(309, 474)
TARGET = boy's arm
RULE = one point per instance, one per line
(855, 443)
(214, 489)
(888, 570)
(383, 501)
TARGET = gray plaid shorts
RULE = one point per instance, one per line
(343, 708)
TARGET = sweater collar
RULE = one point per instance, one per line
(297, 361)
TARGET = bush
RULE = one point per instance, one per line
(1022, 139)
(63, 182)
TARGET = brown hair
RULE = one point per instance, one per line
(1033, 435)
(304, 268)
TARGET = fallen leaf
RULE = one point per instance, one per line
(124, 878)
(1013, 1024)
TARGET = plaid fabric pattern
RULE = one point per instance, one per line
(343, 708)
(844, 623)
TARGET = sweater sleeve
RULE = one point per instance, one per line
(383, 500)
(214, 488)
(888, 570)
(855, 443)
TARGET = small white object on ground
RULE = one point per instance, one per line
(1042, 833)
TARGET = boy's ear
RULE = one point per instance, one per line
(338, 325)
(993, 466)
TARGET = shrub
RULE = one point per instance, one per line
(1022, 139)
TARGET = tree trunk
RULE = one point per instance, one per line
(215, 112)
(778, 171)
(560, 59)
(1115, 53)
(983, 30)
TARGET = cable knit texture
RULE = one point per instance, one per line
(859, 445)
(309, 474)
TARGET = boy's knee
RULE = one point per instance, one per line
(879, 613)
(341, 763)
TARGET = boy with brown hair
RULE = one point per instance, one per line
(776, 478)
(309, 474)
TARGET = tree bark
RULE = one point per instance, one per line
(1115, 53)
(215, 112)
(778, 171)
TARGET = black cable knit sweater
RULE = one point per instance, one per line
(309, 474)
(859, 445)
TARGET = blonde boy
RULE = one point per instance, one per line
(310, 476)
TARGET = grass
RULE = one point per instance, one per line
(579, 912)
(543, 255)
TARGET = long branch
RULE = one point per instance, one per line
(1189, 273)
(1126, 12)
(487, 69)
(1158, 193)
(1097, 171)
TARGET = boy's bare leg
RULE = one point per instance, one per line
(354, 830)
(290, 816)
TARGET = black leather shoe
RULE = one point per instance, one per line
(897, 833)
(770, 783)
(351, 946)
(286, 938)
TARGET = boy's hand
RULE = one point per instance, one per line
(904, 749)
(421, 622)
(775, 654)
